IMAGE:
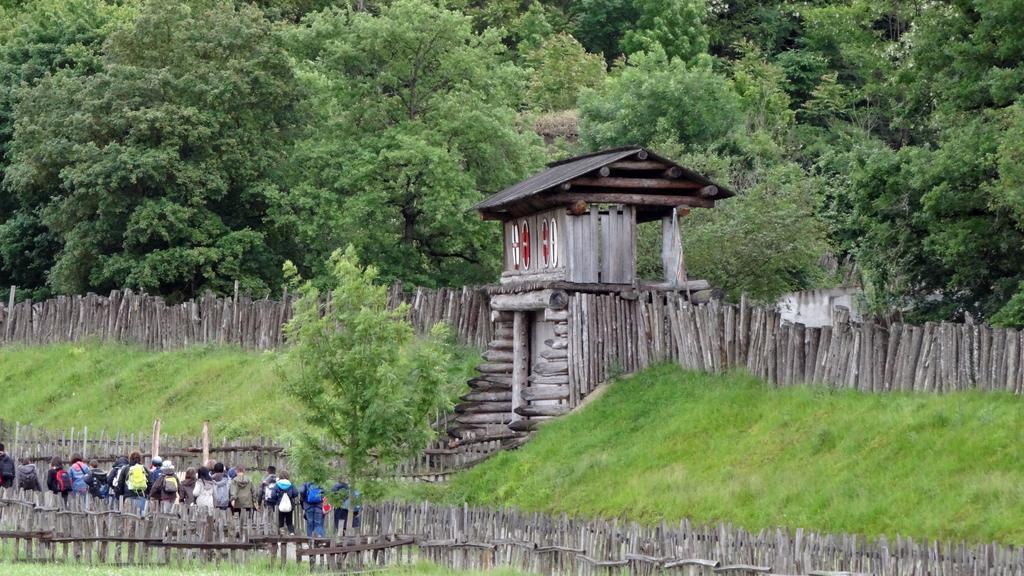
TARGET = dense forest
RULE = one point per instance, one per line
(176, 146)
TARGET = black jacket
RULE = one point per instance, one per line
(6, 471)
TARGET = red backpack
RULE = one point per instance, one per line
(63, 480)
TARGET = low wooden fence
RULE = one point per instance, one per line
(616, 334)
(40, 527)
(36, 526)
(146, 320)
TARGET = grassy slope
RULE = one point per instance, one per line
(124, 388)
(669, 444)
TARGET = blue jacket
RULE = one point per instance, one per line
(281, 488)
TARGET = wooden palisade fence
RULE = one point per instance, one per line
(608, 334)
(131, 318)
(36, 526)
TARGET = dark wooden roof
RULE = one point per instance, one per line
(563, 172)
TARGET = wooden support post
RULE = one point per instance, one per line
(156, 438)
(10, 313)
(520, 358)
(206, 442)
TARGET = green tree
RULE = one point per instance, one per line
(561, 69)
(414, 122)
(362, 378)
(41, 38)
(654, 99)
(155, 171)
(622, 27)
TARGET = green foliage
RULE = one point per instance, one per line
(561, 69)
(667, 444)
(153, 172)
(622, 27)
(360, 376)
(414, 121)
(765, 242)
(654, 99)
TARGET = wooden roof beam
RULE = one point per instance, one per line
(625, 197)
(637, 183)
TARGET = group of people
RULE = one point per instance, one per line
(212, 486)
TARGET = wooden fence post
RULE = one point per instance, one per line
(156, 438)
(206, 442)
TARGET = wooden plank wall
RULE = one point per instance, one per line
(612, 335)
(252, 324)
(39, 526)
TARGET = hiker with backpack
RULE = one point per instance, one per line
(115, 478)
(58, 480)
(267, 484)
(135, 480)
(347, 512)
(79, 472)
(312, 498)
(167, 488)
(28, 479)
(243, 492)
(154, 471)
(188, 486)
(221, 488)
(97, 481)
(283, 497)
(203, 491)
(7, 471)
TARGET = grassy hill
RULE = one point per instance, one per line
(667, 444)
(114, 387)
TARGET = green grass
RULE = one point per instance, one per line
(419, 569)
(114, 387)
(667, 444)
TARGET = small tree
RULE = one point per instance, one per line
(366, 383)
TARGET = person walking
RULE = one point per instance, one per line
(267, 484)
(28, 478)
(155, 464)
(135, 480)
(7, 469)
(79, 472)
(283, 497)
(347, 512)
(203, 491)
(97, 481)
(188, 487)
(115, 478)
(58, 480)
(243, 492)
(166, 489)
(312, 498)
(221, 488)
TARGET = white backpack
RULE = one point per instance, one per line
(285, 505)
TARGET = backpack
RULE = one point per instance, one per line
(268, 487)
(285, 505)
(80, 478)
(63, 480)
(222, 494)
(98, 484)
(314, 495)
(137, 480)
(170, 485)
(29, 481)
(115, 479)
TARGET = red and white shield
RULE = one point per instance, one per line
(545, 242)
(524, 237)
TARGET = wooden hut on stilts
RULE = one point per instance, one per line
(571, 229)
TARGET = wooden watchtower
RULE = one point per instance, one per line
(569, 229)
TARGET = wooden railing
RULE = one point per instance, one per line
(36, 526)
